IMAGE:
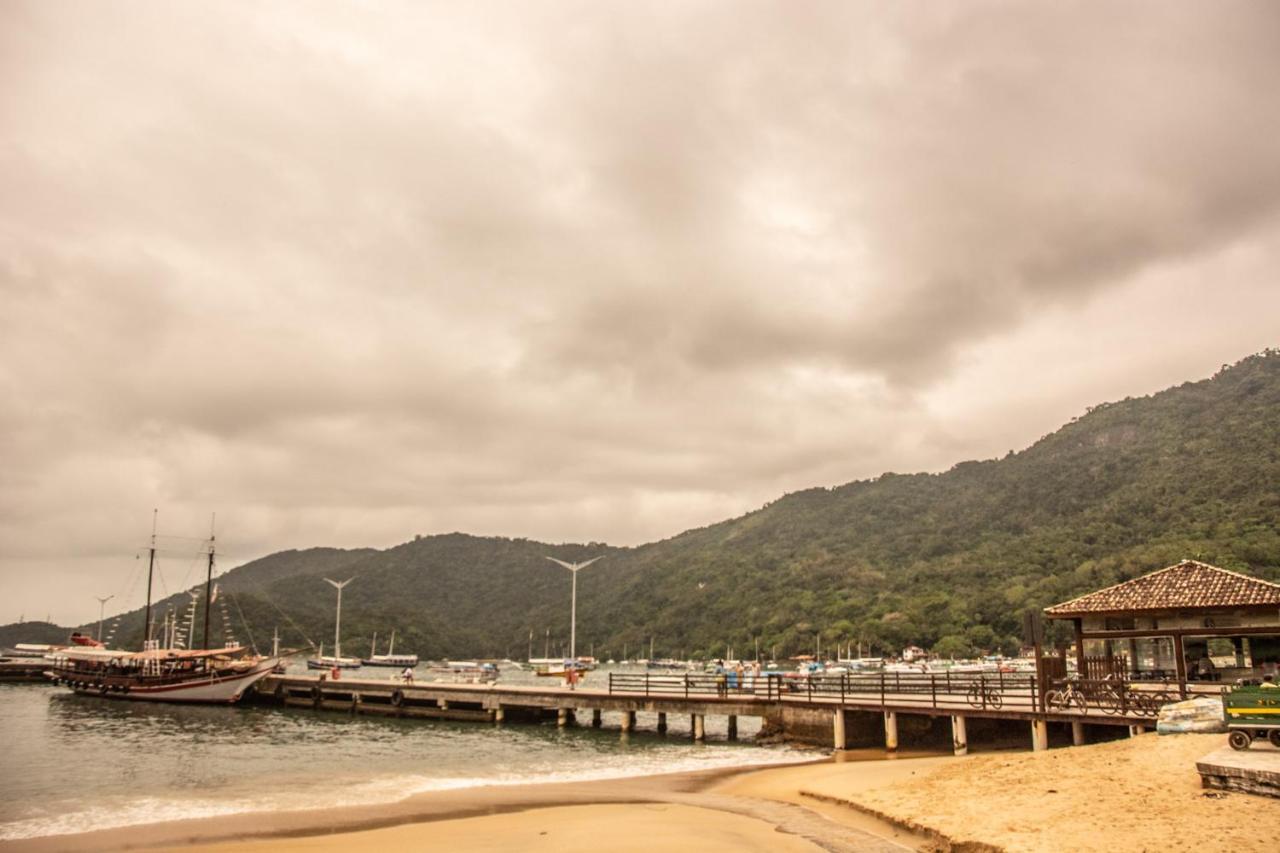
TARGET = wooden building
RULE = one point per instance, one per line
(1193, 623)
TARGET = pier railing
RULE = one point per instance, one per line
(697, 685)
(1017, 693)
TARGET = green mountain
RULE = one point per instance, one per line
(947, 561)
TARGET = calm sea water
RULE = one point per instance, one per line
(75, 763)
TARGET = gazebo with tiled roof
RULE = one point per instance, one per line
(1191, 607)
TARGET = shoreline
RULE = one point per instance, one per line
(682, 788)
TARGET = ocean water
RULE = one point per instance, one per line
(76, 763)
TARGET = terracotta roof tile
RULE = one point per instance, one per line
(1188, 585)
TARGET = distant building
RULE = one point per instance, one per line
(1192, 623)
(913, 653)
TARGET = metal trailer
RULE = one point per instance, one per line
(1252, 712)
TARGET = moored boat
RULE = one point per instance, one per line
(466, 671)
(390, 658)
(159, 674)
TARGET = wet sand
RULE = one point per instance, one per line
(628, 828)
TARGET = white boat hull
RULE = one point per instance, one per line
(214, 688)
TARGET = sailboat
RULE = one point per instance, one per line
(390, 658)
(336, 660)
(159, 674)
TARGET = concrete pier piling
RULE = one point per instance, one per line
(891, 731)
(1077, 734)
(562, 717)
(959, 735)
(628, 721)
(1039, 735)
(662, 722)
(596, 718)
(699, 727)
(838, 734)
(733, 727)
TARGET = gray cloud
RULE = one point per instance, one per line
(348, 273)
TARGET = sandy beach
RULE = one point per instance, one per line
(1136, 794)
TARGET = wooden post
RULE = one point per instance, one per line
(1136, 730)
(1180, 664)
(1077, 734)
(596, 720)
(1079, 629)
(733, 727)
(891, 731)
(662, 722)
(838, 729)
(1039, 735)
(959, 735)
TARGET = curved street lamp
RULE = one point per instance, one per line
(573, 602)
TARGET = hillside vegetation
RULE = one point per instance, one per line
(948, 561)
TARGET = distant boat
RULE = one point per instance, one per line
(467, 671)
(390, 658)
(30, 650)
(326, 662)
(336, 660)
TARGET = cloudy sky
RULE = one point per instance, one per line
(348, 272)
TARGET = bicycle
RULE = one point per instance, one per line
(983, 695)
(1068, 696)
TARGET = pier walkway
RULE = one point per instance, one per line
(793, 707)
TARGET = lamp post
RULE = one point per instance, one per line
(574, 568)
(337, 622)
(102, 607)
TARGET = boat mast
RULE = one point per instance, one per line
(392, 650)
(151, 566)
(208, 585)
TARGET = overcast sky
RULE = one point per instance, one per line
(348, 272)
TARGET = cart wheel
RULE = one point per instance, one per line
(1239, 740)
(1274, 737)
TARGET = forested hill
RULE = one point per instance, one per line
(946, 560)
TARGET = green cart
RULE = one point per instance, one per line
(1252, 712)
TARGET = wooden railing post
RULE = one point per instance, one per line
(933, 689)
(686, 685)
(882, 686)
(982, 689)
(611, 682)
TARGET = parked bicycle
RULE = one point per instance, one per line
(984, 695)
(1067, 697)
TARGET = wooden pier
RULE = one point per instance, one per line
(824, 710)
(23, 669)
